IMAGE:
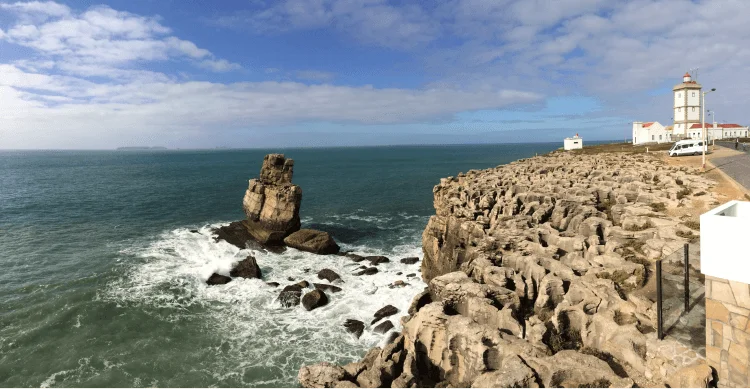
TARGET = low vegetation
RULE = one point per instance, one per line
(693, 225)
(683, 193)
(644, 226)
(658, 207)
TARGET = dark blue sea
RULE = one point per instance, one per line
(102, 283)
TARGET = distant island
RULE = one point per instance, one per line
(141, 148)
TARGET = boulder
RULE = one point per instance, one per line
(272, 202)
(235, 233)
(354, 327)
(328, 275)
(273, 284)
(388, 310)
(696, 376)
(247, 268)
(377, 259)
(313, 241)
(218, 279)
(355, 257)
(514, 373)
(367, 272)
(315, 299)
(383, 327)
(321, 375)
(409, 260)
(290, 296)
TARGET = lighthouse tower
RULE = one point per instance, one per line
(687, 105)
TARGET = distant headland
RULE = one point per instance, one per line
(129, 148)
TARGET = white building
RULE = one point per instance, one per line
(573, 143)
(687, 105)
(718, 131)
(650, 132)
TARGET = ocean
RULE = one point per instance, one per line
(103, 282)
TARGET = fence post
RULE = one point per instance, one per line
(659, 329)
(687, 277)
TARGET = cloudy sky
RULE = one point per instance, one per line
(253, 73)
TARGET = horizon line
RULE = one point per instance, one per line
(224, 148)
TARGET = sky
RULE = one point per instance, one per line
(313, 73)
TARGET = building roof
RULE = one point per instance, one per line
(686, 74)
(647, 124)
(722, 125)
(687, 84)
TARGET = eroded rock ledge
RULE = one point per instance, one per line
(536, 272)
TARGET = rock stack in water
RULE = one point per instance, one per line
(538, 276)
(272, 202)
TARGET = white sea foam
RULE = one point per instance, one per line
(262, 341)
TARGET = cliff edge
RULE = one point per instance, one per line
(536, 273)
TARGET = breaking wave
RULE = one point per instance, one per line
(258, 342)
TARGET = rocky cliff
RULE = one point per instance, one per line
(536, 274)
(272, 202)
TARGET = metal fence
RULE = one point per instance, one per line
(680, 296)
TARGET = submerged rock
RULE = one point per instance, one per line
(315, 299)
(312, 241)
(409, 260)
(273, 284)
(218, 279)
(377, 259)
(383, 327)
(327, 288)
(247, 268)
(328, 275)
(355, 327)
(367, 272)
(290, 296)
(388, 310)
(355, 257)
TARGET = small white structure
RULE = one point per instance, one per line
(650, 132)
(724, 235)
(573, 143)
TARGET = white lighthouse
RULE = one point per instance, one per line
(687, 105)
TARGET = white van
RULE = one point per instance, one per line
(688, 147)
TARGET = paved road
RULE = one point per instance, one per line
(737, 167)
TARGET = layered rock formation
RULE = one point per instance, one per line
(272, 202)
(536, 272)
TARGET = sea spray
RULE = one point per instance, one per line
(257, 332)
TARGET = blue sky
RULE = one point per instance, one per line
(253, 73)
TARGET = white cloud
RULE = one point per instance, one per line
(102, 37)
(375, 22)
(80, 111)
(49, 8)
(220, 65)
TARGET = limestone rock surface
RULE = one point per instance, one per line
(272, 202)
(537, 275)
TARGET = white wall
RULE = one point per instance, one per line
(693, 97)
(724, 252)
(573, 143)
(655, 133)
(694, 113)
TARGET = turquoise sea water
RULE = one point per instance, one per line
(103, 284)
